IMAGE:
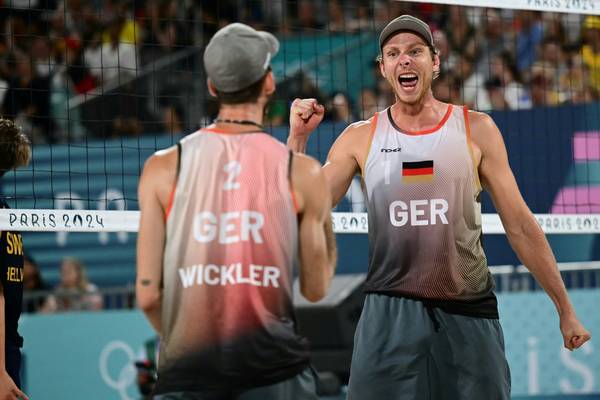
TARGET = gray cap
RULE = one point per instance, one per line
(406, 23)
(238, 56)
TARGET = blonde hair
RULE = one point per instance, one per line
(15, 148)
(82, 281)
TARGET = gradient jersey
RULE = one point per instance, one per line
(425, 216)
(227, 313)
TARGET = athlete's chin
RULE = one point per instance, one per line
(409, 99)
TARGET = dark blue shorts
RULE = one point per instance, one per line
(13, 363)
(406, 351)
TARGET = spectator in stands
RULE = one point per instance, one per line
(368, 104)
(167, 32)
(74, 292)
(542, 83)
(28, 100)
(78, 72)
(119, 58)
(308, 16)
(504, 71)
(41, 57)
(474, 93)
(92, 55)
(173, 118)
(491, 40)
(341, 108)
(362, 20)
(529, 35)
(495, 94)
(554, 29)
(551, 51)
(461, 33)
(32, 283)
(447, 88)
(336, 21)
(448, 58)
(591, 48)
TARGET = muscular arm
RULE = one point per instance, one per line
(153, 201)
(347, 155)
(318, 254)
(522, 230)
(346, 158)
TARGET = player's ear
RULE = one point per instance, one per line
(381, 69)
(269, 85)
(211, 88)
(436, 64)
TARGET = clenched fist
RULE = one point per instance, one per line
(305, 116)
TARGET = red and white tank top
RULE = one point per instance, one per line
(425, 216)
(231, 242)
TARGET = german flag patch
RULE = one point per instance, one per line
(417, 171)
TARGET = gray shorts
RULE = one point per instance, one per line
(406, 351)
(301, 387)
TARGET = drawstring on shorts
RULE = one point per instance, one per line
(434, 320)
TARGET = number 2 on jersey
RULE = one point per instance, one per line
(233, 168)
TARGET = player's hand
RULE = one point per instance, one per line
(305, 116)
(574, 333)
(8, 389)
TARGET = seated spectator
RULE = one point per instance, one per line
(74, 292)
(27, 100)
(447, 88)
(448, 58)
(529, 35)
(474, 94)
(118, 60)
(492, 40)
(573, 84)
(591, 49)
(32, 283)
(461, 33)
(341, 108)
(368, 104)
(495, 94)
(504, 70)
(543, 85)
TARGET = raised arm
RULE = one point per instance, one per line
(317, 250)
(153, 193)
(347, 155)
(522, 230)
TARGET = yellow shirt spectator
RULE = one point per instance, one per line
(130, 33)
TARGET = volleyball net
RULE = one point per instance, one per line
(100, 87)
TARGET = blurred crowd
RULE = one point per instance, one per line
(492, 59)
(55, 54)
(73, 292)
(58, 54)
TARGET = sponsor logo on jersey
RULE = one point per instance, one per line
(396, 150)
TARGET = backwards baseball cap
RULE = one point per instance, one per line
(238, 56)
(406, 23)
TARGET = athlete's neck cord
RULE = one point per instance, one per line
(239, 122)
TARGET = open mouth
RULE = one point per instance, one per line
(408, 81)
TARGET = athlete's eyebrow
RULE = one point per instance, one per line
(408, 46)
